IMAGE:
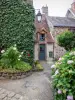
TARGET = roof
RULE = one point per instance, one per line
(62, 21)
(72, 11)
(43, 26)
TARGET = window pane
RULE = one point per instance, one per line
(42, 37)
(51, 54)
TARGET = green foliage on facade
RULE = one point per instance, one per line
(66, 40)
(17, 27)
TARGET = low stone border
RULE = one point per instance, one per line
(15, 75)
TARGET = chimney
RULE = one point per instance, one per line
(73, 5)
(45, 10)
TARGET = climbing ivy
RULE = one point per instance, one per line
(17, 27)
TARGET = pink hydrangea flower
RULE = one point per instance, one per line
(59, 91)
(60, 59)
(70, 97)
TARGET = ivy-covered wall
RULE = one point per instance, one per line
(17, 27)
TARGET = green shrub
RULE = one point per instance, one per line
(10, 57)
(63, 74)
(39, 67)
(66, 40)
(17, 27)
(11, 60)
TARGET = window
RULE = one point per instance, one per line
(51, 54)
(42, 37)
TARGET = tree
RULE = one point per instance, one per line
(66, 40)
(17, 26)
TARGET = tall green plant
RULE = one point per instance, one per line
(17, 27)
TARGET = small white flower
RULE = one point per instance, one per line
(19, 59)
(56, 72)
(53, 66)
(52, 76)
(2, 51)
(14, 48)
(21, 53)
(15, 45)
(70, 61)
(20, 56)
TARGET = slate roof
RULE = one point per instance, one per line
(62, 21)
(43, 25)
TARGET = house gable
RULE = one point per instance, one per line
(70, 14)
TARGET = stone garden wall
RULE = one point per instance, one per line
(13, 76)
(58, 51)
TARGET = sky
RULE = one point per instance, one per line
(56, 7)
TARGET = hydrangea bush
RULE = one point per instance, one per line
(63, 76)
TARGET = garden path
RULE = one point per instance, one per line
(35, 87)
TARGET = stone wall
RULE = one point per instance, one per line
(49, 49)
(58, 51)
(13, 76)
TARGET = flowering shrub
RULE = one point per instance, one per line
(63, 75)
(11, 59)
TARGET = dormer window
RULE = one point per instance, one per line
(42, 37)
(39, 16)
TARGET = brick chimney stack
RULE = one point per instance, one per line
(45, 10)
(73, 5)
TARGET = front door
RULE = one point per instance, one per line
(42, 52)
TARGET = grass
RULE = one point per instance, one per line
(19, 67)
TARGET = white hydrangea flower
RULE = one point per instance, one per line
(70, 61)
(2, 51)
(53, 66)
(15, 45)
(52, 76)
(21, 53)
(14, 48)
(20, 56)
(56, 72)
(72, 53)
(19, 59)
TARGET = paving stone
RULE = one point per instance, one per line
(2, 96)
(8, 92)
(14, 99)
(6, 98)
(17, 96)
(2, 91)
(11, 94)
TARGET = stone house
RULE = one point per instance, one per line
(47, 29)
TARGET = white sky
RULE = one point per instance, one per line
(56, 7)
